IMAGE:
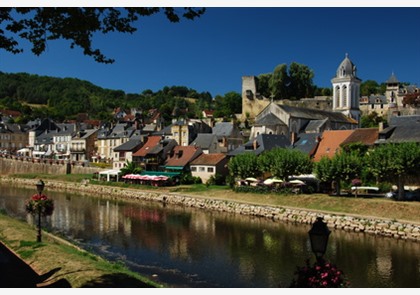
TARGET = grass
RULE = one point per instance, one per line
(65, 261)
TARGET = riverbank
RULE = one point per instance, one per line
(236, 203)
(55, 262)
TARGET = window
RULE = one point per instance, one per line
(193, 169)
(210, 169)
(201, 169)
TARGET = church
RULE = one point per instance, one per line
(340, 112)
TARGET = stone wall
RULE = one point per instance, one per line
(381, 227)
(16, 165)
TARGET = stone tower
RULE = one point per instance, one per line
(346, 90)
(392, 91)
(252, 102)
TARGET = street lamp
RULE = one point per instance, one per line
(39, 187)
(318, 236)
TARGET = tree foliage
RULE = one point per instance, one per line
(293, 82)
(371, 120)
(38, 25)
(244, 165)
(62, 99)
(395, 162)
(344, 166)
(369, 87)
(228, 105)
(282, 163)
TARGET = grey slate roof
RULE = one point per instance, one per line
(269, 119)
(265, 142)
(307, 142)
(315, 114)
(400, 133)
(130, 145)
(315, 125)
(223, 129)
(404, 120)
(204, 140)
(392, 80)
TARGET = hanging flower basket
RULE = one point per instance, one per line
(40, 204)
(322, 274)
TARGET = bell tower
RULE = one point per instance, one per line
(346, 90)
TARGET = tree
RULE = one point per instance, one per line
(262, 82)
(282, 163)
(244, 165)
(369, 87)
(395, 162)
(371, 120)
(76, 24)
(279, 82)
(130, 168)
(228, 105)
(301, 80)
(343, 166)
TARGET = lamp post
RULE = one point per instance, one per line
(318, 236)
(39, 187)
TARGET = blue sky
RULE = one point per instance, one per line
(213, 52)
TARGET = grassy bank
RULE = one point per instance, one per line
(63, 261)
(374, 207)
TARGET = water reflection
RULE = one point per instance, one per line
(188, 247)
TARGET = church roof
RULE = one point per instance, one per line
(315, 114)
(315, 125)
(346, 68)
(269, 119)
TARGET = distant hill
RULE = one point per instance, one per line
(64, 98)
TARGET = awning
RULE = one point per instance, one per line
(108, 173)
(174, 167)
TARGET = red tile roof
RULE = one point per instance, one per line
(208, 159)
(330, 143)
(366, 136)
(151, 142)
(182, 155)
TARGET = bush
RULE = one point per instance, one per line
(187, 178)
(217, 179)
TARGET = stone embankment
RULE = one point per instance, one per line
(375, 226)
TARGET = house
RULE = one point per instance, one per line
(109, 138)
(185, 131)
(208, 165)
(124, 153)
(207, 113)
(330, 143)
(180, 157)
(207, 142)
(52, 140)
(62, 140)
(154, 152)
(82, 145)
(228, 135)
(13, 137)
(262, 143)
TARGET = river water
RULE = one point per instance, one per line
(186, 247)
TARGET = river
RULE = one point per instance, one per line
(186, 247)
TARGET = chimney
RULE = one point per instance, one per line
(293, 138)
